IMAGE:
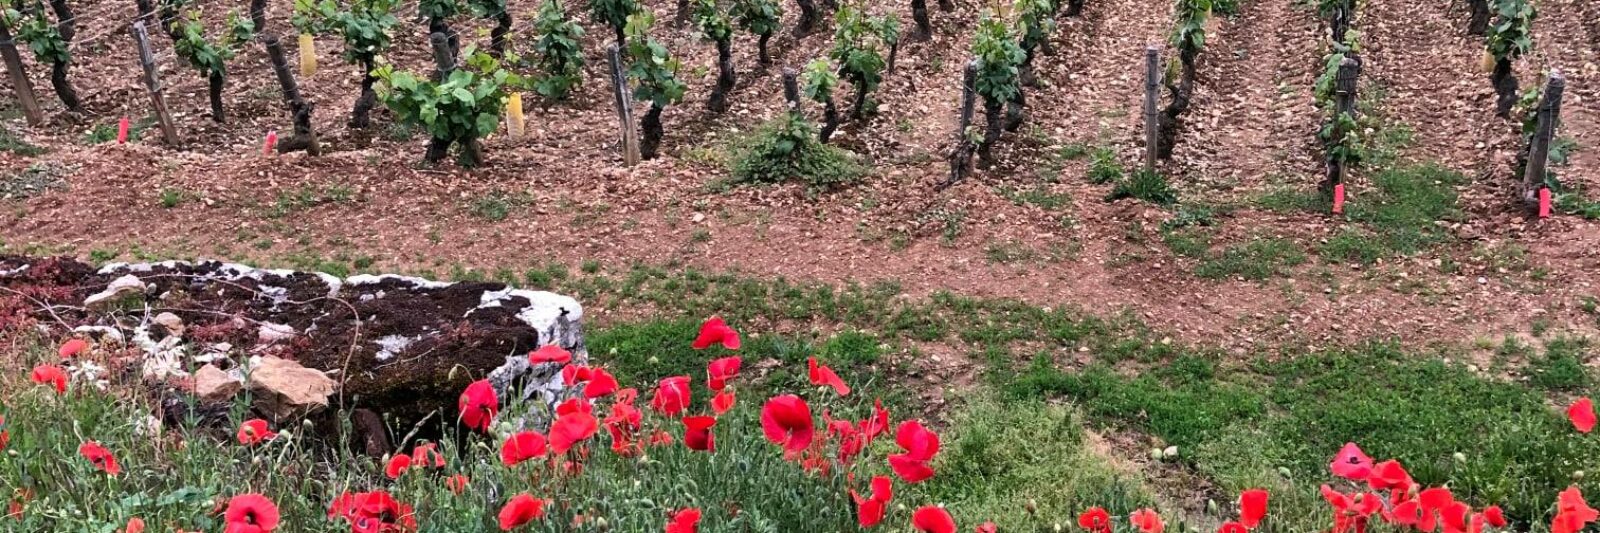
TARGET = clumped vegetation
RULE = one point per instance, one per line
(654, 74)
(788, 148)
(558, 52)
(999, 59)
(458, 110)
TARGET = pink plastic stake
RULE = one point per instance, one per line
(1338, 199)
(122, 131)
(1544, 202)
(272, 141)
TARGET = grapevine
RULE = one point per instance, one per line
(716, 27)
(558, 52)
(654, 74)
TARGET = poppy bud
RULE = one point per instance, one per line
(1171, 451)
(1058, 527)
(1577, 475)
(1155, 453)
(1031, 506)
(654, 360)
(1211, 506)
(255, 460)
(900, 507)
(1459, 457)
(1284, 471)
(306, 424)
(600, 521)
(285, 434)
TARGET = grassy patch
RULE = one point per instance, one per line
(496, 205)
(1038, 195)
(1292, 200)
(11, 142)
(1562, 367)
(998, 455)
(1259, 259)
(37, 179)
(309, 196)
(1399, 217)
(1147, 186)
(1295, 411)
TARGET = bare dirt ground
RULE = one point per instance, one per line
(567, 199)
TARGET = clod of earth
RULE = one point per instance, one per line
(397, 345)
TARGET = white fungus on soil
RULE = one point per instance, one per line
(392, 345)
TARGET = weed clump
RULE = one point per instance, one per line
(788, 149)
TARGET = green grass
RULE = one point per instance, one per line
(11, 142)
(1563, 366)
(309, 196)
(1256, 260)
(1147, 186)
(1243, 420)
(1285, 199)
(1399, 217)
(997, 456)
(495, 206)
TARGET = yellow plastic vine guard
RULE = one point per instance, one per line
(514, 115)
(308, 55)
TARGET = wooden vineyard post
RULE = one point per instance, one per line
(147, 61)
(619, 88)
(961, 154)
(19, 78)
(1152, 104)
(1549, 112)
(791, 90)
(1344, 100)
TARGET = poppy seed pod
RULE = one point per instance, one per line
(1459, 457)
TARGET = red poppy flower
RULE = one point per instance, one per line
(575, 374)
(876, 424)
(1233, 527)
(50, 375)
(373, 512)
(672, 396)
(1252, 507)
(722, 402)
(100, 457)
(135, 525)
(721, 370)
(987, 527)
(1572, 512)
(601, 384)
(821, 375)
(5, 436)
(920, 446)
(1581, 414)
(521, 447)
(397, 465)
(550, 353)
(933, 519)
(520, 510)
(684, 521)
(574, 405)
(478, 405)
(457, 483)
(254, 431)
(786, 420)
(250, 513)
(1454, 517)
(570, 430)
(1494, 516)
(715, 331)
(660, 438)
(1350, 463)
(697, 433)
(1147, 521)
(1096, 520)
(870, 511)
(1408, 513)
(1389, 475)
(72, 347)
(427, 454)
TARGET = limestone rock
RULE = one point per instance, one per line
(285, 390)
(123, 285)
(213, 385)
(170, 321)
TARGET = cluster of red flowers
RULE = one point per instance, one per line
(1408, 505)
